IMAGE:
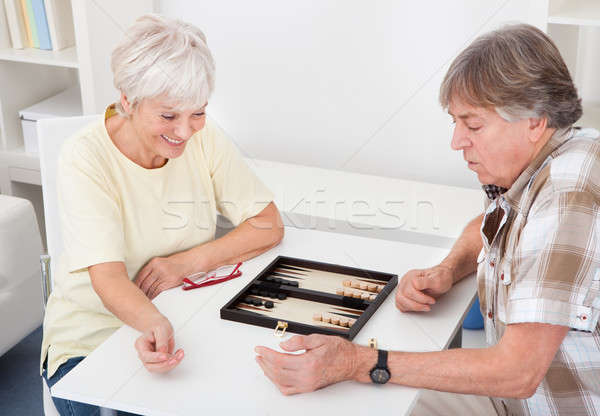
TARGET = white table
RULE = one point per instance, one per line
(367, 205)
(219, 373)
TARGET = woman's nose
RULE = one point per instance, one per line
(183, 130)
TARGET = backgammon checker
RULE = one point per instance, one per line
(306, 297)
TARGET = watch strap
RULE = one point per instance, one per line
(382, 358)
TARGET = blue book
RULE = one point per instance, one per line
(41, 24)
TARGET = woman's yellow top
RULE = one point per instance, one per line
(112, 209)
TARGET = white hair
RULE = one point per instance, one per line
(517, 112)
(162, 57)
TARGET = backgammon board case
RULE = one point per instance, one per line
(308, 297)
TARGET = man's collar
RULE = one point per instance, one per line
(493, 191)
(514, 193)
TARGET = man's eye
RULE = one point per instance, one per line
(199, 114)
(474, 128)
(167, 116)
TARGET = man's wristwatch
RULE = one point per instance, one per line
(380, 374)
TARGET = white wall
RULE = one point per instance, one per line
(348, 85)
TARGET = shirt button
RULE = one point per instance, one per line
(492, 263)
(490, 315)
(583, 317)
(502, 276)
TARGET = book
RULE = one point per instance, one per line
(28, 33)
(16, 27)
(29, 17)
(41, 24)
(60, 23)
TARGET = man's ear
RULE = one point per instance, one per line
(125, 104)
(536, 128)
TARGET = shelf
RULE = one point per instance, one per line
(591, 116)
(575, 12)
(18, 158)
(66, 58)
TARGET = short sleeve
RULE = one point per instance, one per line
(89, 211)
(239, 193)
(556, 269)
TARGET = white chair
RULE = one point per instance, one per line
(20, 249)
(51, 135)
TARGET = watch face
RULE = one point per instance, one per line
(380, 375)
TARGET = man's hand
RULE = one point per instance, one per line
(327, 360)
(162, 273)
(155, 348)
(418, 289)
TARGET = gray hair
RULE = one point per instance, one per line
(166, 57)
(518, 71)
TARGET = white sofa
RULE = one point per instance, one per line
(21, 307)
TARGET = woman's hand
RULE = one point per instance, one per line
(162, 273)
(155, 347)
(418, 289)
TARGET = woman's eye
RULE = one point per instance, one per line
(199, 114)
(474, 128)
(167, 116)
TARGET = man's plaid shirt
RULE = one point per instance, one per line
(541, 263)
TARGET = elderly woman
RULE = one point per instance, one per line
(514, 105)
(139, 194)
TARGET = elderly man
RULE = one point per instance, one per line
(514, 104)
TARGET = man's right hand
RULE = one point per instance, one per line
(418, 288)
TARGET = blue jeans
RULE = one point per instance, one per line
(70, 407)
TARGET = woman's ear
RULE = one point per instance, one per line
(537, 127)
(125, 104)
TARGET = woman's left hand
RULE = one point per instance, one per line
(162, 273)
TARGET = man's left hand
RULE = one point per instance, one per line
(327, 360)
(162, 273)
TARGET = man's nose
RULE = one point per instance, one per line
(460, 138)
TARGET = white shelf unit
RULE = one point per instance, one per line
(574, 12)
(574, 25)
(66, 58)
(28, 76)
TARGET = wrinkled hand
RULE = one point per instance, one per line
(162, 273)
(155, 348)
(327, 360)
(418, 289)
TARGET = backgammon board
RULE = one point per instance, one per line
(306, 297)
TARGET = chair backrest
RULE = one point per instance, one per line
(52, 133)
